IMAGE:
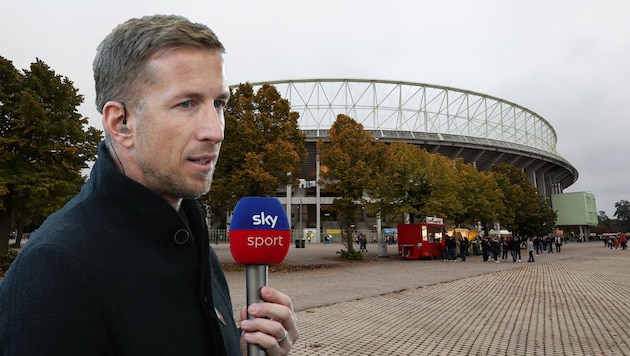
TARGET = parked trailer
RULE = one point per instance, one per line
(423, 240)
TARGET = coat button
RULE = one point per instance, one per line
(181, 236)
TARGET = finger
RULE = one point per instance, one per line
(288, 317)
(273, 311)
(270, 322)
(269, 335)
(269, 327)
(270, 311)
(273, 320)
(274, 296)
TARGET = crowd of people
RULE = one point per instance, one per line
(501, 248)
(450, 246)
(619, 241)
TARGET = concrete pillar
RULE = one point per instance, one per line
(318, 203)
(289, 199)
(382, 245)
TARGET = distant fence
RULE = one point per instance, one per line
(221, 235)
(218, 236)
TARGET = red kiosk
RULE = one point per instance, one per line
(423, 240)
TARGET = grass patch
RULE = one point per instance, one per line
(288, 268)
(6, 260)
(281, 268)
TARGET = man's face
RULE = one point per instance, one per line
(179, 131)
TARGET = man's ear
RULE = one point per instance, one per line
(116, 122)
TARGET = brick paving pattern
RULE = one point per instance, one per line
(571, 303)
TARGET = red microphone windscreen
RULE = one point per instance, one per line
(260, 232)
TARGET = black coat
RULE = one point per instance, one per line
(495, 247)
(485, 245)
(117, 271)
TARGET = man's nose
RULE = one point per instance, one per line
(212, 125)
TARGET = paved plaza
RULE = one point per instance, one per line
(569, 303)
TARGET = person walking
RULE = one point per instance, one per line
(485, 249)
(495, 248)
(530, 249)
(537, 246)
(505, 246)
(558, 243)
(363, 243)
(451, 249)
(477, 245)
(514, 246)
(463, 248)
(517, 245)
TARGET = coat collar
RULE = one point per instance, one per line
(140, 205)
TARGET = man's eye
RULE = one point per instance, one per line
(219, 104)
(186, 104)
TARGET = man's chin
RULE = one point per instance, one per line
(198, 191)
(197, 186)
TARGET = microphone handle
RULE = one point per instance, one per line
(256, 277)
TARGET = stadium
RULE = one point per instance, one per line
(481, 129)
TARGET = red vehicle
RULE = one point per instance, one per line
(423, 240)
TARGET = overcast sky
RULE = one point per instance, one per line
(565, 60)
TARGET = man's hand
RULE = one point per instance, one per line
(274, 326)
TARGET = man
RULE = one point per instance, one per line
(463, 247)
(558, 243)
(514, 246)
(530, 249)
(451, 248)
(125, 268)
(485, 248)
(505, 247)
(495, 248)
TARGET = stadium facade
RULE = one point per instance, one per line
(481, 129)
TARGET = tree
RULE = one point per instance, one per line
(401, 185)
(479, 194)
(606, 224)
(44, 145)
(347, 169)
(526, 213)
(622, 212)
(539, 222)
(444, 200)
(263, 148)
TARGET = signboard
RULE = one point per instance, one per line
(434, 220)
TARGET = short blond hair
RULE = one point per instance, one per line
(120, 65)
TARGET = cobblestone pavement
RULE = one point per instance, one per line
(569, 303)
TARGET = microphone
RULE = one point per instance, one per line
(260, 235)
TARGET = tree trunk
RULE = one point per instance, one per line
(5, 230)
(349, 238)
(347, 224)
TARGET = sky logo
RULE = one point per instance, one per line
(264, 219)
